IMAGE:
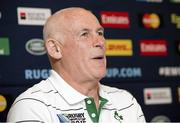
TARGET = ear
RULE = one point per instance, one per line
(53, 49)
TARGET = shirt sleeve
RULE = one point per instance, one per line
(29, 110)
(140, 115)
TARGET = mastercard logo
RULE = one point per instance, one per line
(151, 20)
(3, 103)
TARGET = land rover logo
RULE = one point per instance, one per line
(160, 119)
(35, 47)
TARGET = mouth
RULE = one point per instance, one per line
(98, 58)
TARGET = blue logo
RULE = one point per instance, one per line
(124, 72)
(36, 74)
(63, 118)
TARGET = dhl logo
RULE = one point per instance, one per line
(119, 47)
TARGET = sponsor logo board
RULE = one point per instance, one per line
(160, 95)
(153, 47)
(119, 47)
(32, 16)
(115, 19)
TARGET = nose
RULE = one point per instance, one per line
(99, 41)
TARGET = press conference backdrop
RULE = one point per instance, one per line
(143, 49)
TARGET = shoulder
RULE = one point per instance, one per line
(124, 102)
(32, 104)
(119, 97)
(38, 93)
(116, 92)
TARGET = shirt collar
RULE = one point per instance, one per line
(104, 94)
(71, 95)
(65, 90)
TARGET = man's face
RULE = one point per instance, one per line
(84, 48)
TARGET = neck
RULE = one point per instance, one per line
(89, 88)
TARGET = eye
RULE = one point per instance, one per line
(84, 34)
(101, 33)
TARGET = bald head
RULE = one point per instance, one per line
(74, 42)
(60, 22)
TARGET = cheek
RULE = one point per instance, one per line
(83, 50)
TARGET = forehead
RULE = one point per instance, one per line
(83, 20)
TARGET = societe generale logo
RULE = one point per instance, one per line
(161, 95)
(115, 19)
(32, 16)
(150, 20)
(119, 47)
(153, 47)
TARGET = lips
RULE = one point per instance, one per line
(98, 57)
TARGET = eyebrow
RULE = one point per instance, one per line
(99, 29)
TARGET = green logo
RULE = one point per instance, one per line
(118, 116)
(4, 46)
(175, 19)
(175, 1)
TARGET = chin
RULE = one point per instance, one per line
(101, 74)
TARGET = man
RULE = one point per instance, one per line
(76, 48)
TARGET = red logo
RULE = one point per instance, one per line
(115, 19)
(153, 47)
(23, 15)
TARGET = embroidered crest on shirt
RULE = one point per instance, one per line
(118, 117)
(72, 118)
(63, 118)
